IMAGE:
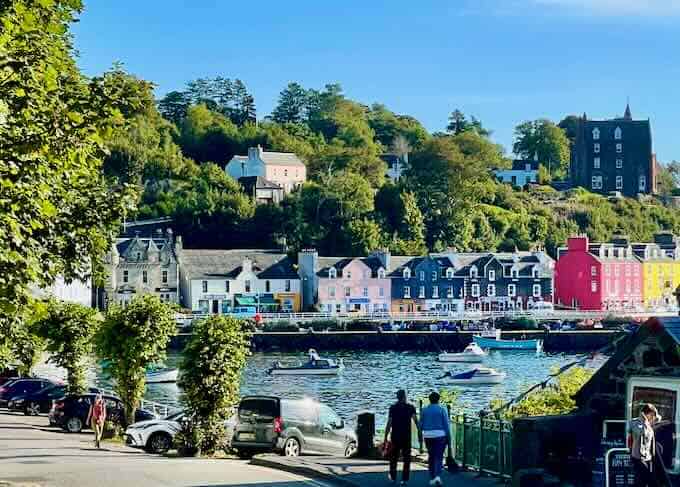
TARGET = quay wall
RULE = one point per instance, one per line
(430, 341)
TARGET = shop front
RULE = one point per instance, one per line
(288, 302)
(358, 305)
(213, 304)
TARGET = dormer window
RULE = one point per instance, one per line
(514, 273)
(333, 273)
(618, 133)
(473, 272)
(407, 273)
(449, 273)
(534, 272)
(596, 133)
(492, 275)
(381, 273)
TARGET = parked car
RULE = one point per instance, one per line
(290, 427)
(70, 412)
(34, 403)
(154, 435)
(20, 387)
(5, 380)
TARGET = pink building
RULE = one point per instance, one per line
(597, 276)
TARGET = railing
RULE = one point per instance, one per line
(483, 443)
(160, 410)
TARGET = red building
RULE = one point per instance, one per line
(597, 276)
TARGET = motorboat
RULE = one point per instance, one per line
(324, 367)
(162, 376)
(480, 375)
(496, 343)
(473, 353)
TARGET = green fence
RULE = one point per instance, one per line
(483, 443)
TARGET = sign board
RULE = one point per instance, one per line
(358, 300)
(618, 468)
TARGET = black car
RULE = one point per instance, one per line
(266, 423)
(20, 387)
(70, 412)
(41, 401)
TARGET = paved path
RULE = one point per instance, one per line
(33, 454)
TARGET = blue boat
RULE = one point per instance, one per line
(498, 344)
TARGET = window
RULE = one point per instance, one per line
(287, 285)
(514, 273)
(331, 291)
(596, 162)
(407, 292)
(139, 256)
(434, 275)
(596, 182)
(145, 277)
(596, 133)
(593, 270)
(473, 272)
(435, 292)
(475, 290)
(247, 286)
(267, 286)
(243, 169)
(619, 163)
(126, 276)
(381, 273)
(491, 290)
(449, 273)
(204, 286)
(226, 286)
(642, 185)
(512, 290)
(285, 172)
(407, 273)
(164, 277)
(537, 291)
(618, 133)
(593, 286)
(596, 148)
(449, 292)
(382, 292)
(619, 182)
(619, 148)
(492, 275)
(347, 292)
(534, 272)
(347, 274)
(332, 273)
(421, 292)
(421, 274)
(365, 292)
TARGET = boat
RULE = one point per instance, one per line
(320, 366)
(496, 343)
(162, 376)
(473, 353)
(480, 375)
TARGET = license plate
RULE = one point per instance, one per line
(246, 436)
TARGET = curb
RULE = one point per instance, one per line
(320, 473)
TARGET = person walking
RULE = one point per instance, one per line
(436, 430)
(399, 420)
(96, 418)
(643, 446)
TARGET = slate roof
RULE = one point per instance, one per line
(145, 244)
(520, 164)
(213, 264)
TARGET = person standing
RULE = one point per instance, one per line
(436, 429)
(399, 420)
(643, 446)
(96, 418)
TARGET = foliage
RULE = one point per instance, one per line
(554, 399)
(25, 348)
(459, 124)
(68, 330)
(211, 369)
(547, 142)
(57, 212)
(131, 339)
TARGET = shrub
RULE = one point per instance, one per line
(361, 326)
(323, 325)
(280, 326)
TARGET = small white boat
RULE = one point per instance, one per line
(473, 353)
(325, 367)
(162, 376)
(480, 375)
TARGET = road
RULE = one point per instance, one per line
(33, 454)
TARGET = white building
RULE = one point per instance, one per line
(216, 281)
(76, 291)
(281, 168)
(522, 173)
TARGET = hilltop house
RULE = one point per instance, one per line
(522, 173)
(280, 169)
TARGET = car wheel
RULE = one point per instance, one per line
(351, 449)
(74, 425)
(244, 453)
(159, 443)
(291, 448)
(32, 409)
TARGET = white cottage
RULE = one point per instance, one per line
(283, 169)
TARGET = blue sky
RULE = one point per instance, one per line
(504, 61)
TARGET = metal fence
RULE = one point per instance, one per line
(483, 443)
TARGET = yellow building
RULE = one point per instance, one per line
(660, 274)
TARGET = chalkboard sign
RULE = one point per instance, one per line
(618, 468)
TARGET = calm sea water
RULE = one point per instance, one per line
(370, 379)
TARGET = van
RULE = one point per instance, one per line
(290, 427)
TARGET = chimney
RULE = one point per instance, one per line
(578, 244)
(247, 265)
(255, 152)
(384, 256)
(178, 245)
(308, 266)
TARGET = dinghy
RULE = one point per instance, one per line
(496, 343)
(473, 353)
(480, 375)
(313, 367)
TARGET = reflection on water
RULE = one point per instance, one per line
(370, 379)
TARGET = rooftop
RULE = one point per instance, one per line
(214, 264)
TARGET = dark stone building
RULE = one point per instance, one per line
(614, 155)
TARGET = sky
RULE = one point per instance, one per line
(503, 61)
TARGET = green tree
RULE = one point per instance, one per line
(293, 105)
(25, 348)
(211, 370)
(68, 330)
(174, 106)
(570, 126)
(365, 236)
(458, 124)
(57, 211)
(131, 339)
(546, 141)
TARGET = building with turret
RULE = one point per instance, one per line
(614, 156)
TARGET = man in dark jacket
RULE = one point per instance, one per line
(401, 415)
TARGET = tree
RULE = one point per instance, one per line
(131, 339)
(25, 348)
(68, 330)
(668, 179)
(458, 124)
(365, 236)
(293, 105)
(547, 142)
(211, 370)
(57, 211)
(174, 106)
(570, 125)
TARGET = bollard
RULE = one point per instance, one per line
(365, 433)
